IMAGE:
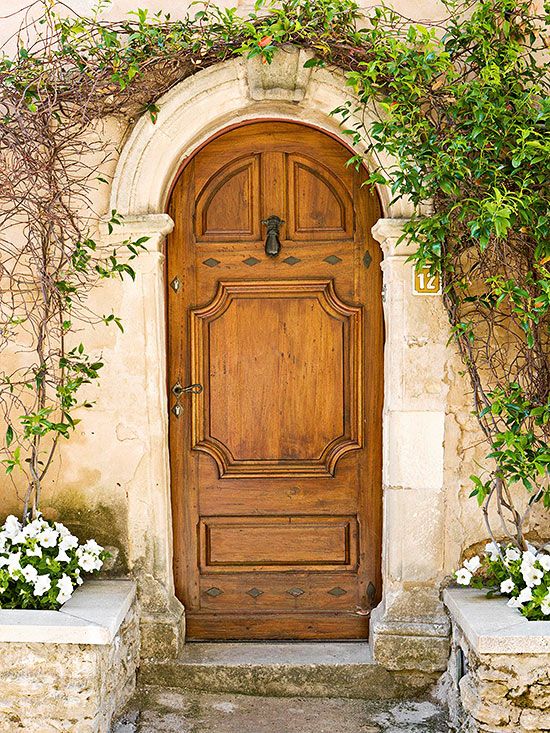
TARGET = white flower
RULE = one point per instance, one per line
(14, 565)
(65, 586)
(19, 538)
(528, 559)
(532, 576)
(463, 576)
(63, 531)
(93, 547)
(514, 603)
(12, 527)
(3, 561)
(544, 561)
(79, 580)
(89, 562)
(473, 564)
(532, 549)
(68, 542)
(35, 551)
(48, 537)
(507, 586)
(62, 556)
(33, 529)
(525, 595)
(512, 554)
(30, 573)
(545, 605)
(42, 585)
(491, 548)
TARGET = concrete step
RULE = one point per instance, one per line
(165, 710)
(313, 670)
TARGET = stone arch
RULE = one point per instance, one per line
(226, 94)
(409, 626)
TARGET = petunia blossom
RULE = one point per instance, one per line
(463, 576)
(507, 586)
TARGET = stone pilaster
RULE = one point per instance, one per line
(410, 628)
(149, 507)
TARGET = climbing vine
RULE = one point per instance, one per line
(462, 108)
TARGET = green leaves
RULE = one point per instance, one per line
(460, 122)
(456, 125)
(481, 489)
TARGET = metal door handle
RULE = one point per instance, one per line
(178, 391)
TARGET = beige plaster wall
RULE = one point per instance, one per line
(103, 480)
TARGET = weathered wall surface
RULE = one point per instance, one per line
(498, 692)
(68, 688)
(104, 478)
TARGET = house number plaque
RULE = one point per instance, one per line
(425, 283)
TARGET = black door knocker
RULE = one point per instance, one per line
(272, 241)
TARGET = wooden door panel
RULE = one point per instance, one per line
(278, 543)
(276, 465)
(299, 591)
(322, 207)
(300, 496)
(278, 625)
(228, 206)
(295, 340)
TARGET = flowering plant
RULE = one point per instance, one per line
(523, 576)
(41, 563)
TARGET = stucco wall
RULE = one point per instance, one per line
(101, 479)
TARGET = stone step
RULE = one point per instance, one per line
(169, 710)
(314, 670)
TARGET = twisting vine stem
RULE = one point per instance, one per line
(461, 108)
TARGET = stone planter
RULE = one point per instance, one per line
(73, 669)
(499, 667)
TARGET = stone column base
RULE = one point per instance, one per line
(412, 635)
(163, 631)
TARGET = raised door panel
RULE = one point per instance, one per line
(320, 207)
(248, 544)
(294, 345)
(228, 205)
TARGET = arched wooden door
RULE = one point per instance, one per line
(276, 464)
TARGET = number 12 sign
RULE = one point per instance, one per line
(425, 283)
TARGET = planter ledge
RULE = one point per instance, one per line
(92, 616)
(491, 627)
(498, 668)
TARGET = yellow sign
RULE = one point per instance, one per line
(425, 283)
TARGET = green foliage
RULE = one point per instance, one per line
(464, 120)
(461, 115)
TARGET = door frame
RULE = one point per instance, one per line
(185, 554)
(201, 106)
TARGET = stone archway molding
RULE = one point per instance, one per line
(409, 627)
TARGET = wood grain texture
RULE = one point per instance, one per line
(276, 465)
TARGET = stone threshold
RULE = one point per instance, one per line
(281, 669)
(276, 653)
(92, 616)
(491, 627)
